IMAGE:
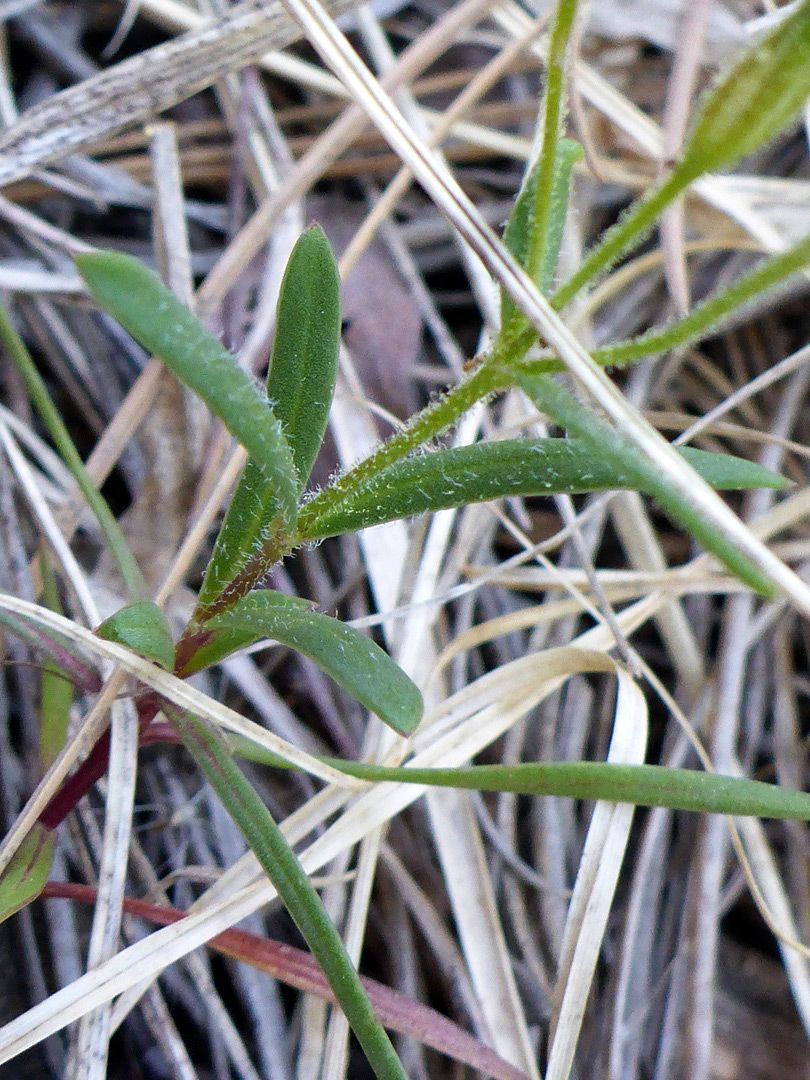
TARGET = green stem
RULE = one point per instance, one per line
(429, 423)
(38, 392)
(769, 273)
(552, 127)
(294, 888)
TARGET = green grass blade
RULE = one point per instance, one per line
(303, 366)
(147, 310)
(346, 655)
(642, 785)
(38, 392)
(551, 398)
(287, 875)
(514, 467)
(143, 628)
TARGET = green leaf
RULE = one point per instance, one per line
(300, 384)
(147, 310)
(569, 153)
(642, 785)
(201, 646)
(555, 401)
(349, 657)
(514, 467)
(54, 713)
(27, 872)
(143, 628)
(246, 545)
(706, 317)
(303, 366)
(279, 862)
(760, 96)
(517, 235)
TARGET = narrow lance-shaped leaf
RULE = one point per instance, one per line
(349, 657)
(642, 785)
(761, 94)
(551, 398)
(143, 628)
(300, 384)
(561, 49)
(518, 232)
(301, 379)
(147, 310)
(704, 319)
(514, 467)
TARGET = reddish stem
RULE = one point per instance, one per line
(297, 968)
(93, 768)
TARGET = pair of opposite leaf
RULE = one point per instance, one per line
(282, 431)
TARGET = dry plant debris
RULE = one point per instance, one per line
(174, 132)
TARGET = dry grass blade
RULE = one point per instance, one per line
(491, 709)
(93, 1037)
(149, 83)
(596, 881)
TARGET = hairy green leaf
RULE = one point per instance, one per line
(300, 384)
(349, 657)
(517, 235)
(27, 872)
(143, 628)
(303, 366)
(762, 93)
(705, 317)
(147, 310)
(495, 470)
(759, 96)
